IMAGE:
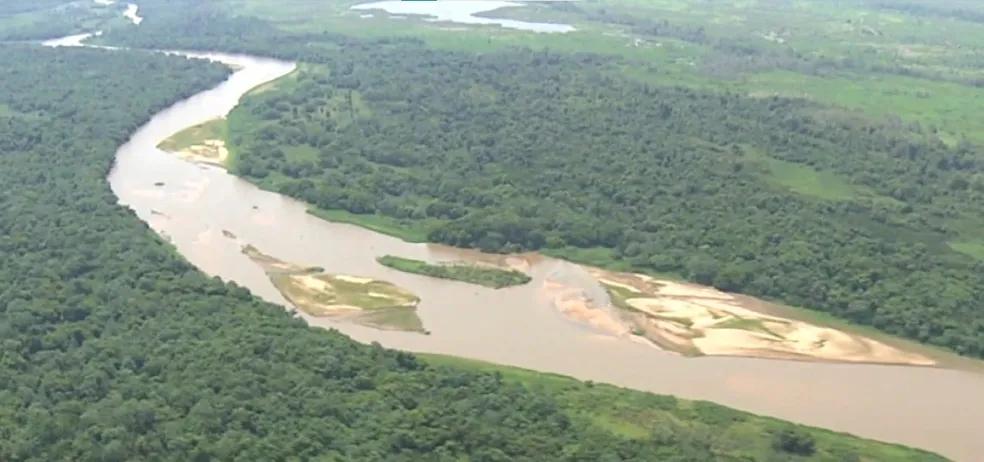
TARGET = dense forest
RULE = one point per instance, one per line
(519, 149)
(116, 349)
(43, 19)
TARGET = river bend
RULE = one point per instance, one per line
(191, 205)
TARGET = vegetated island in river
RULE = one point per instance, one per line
(697, 320)
(364, 301)
(203, 143)
(487, 276)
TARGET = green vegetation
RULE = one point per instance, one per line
(407, 230)
(115, 348)
(214, 129)
(619, 296)
(593, 155)
(802, 179)
(917, 59)
(637, 415)
(361, 300)
(44, 19)
(678, 194)
(495, 278)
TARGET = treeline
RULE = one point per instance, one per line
(116, 349)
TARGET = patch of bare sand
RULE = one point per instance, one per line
(521, 262)
(702, 320)
(614, 283)
(312, 283)
(209, 152)
(353, 279)
(572, 302)
(518, 264)
(309, 294)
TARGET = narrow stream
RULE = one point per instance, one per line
(932, 408)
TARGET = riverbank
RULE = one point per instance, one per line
(636, 414)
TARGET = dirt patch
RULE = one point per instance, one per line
(697, 320)
(212, 152)
(361, 300)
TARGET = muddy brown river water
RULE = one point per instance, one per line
(191, 205)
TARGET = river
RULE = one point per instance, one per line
(191, 205)
(463, 13)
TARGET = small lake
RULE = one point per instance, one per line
(463, 12)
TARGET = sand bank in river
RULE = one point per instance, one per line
(695, 320)
(360, 300)
(203, 143)
(212, 152)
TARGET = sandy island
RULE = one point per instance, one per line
(203, 143)
(694, 321)
(212, 152)
(360, 300)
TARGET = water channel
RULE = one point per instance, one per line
(462, 13)
(191, 205)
